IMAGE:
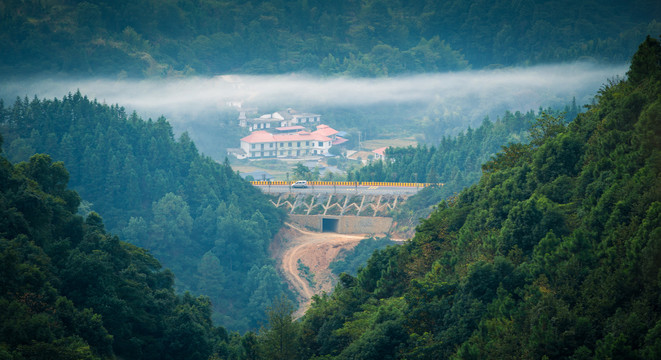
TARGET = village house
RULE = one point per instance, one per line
(285, 134)
(263, 144)
(380, 153)
(280, 119)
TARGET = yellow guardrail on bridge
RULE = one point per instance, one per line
(348, 183)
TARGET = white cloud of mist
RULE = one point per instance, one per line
(455, 100)
(475, 92)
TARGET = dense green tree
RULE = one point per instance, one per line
(554, 253)
(350, 261)
(70, 290)
(453, 164)
(279, 341)
(149, 38)
(154, 190)
(171, 225)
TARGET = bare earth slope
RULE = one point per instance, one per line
(315, 250)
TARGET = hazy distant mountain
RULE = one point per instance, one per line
(147, 38)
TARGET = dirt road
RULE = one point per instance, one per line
(315, 250)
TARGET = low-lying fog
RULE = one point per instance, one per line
(467, 96)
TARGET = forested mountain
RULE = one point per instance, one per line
(456, 162)
(555, 253)
(70, 290)
(354, 37)
(198, 217)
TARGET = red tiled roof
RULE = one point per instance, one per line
(265, 137)
(260, 136)
(325, 130)
(339, 140)
(380, 151)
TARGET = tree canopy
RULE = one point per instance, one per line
(554, 253)
(198, 217)
(149, 38)
(70, 290)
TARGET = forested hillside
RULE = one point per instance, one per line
(198, 217)
(70, 290)
(555, 253)
(146, 38)
(456, 162)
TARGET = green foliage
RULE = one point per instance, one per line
(157, 192)
(453, 164)
(280, 340)
(349, 261)
(149, 38)
(70, 290)
(302, 172)
(304, 272)
(646, 62)
(555, 253)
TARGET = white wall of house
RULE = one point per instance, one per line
(260, 150)
(284, 149)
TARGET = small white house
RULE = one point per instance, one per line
(380, 153)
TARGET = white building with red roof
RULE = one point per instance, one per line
(380, 153)
(263, 144)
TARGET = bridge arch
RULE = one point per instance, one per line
(329, 224)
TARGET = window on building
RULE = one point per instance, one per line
(321, 143)
(307, 143)
(253, 146)
(289, 144)
(298, 144)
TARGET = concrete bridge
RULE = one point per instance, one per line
(343, 187)
(356, 204)
(345, 207)
(342, 213)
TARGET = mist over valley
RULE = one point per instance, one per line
(202, 105)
